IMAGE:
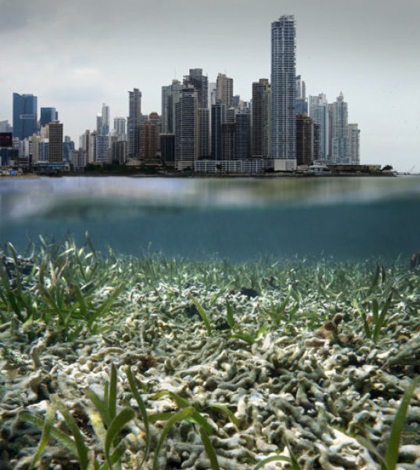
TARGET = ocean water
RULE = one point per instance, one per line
(239, 219)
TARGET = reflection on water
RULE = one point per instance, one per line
(239, 218)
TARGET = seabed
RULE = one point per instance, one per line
(157, 363)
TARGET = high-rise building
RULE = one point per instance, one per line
(200, 83)
(304, 139)
(204, 133)
(224, 90)
(243, 136)
(187, 128)
(212, 94)
(228, 140)
(102, 149)
(134, 123)
(283, 93)
(218, 113)
(119, 127)
(68, 147)
(354, 144)
(318, 111)
(261, 118)
(339, 131)
(48, 115)
(55, 137)
(301, 101)
(149, 140)
(167, 145)
(170, 97)
(25, 115)
(105, 120)
(156, 121)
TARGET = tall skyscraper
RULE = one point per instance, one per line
(218, 113)
(243, 136)
(48, 115)
(55, 136)
(224, 90)
(134, 123)
(119, 127)
(339, 131)
(304, 139)
(200, 83)
(187, 128)
(354, 144)
(301, 101)
(204, 133)
(25, 115)
(228, 140)
(261, 118)
(105, 120)
(283, 93)
(318, 111)
(170, 97)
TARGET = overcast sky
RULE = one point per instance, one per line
(77, 54)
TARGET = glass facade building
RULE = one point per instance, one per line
(25, 115)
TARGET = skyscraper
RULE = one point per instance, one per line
(354, 144)
(55, 136)
(261, 105)
(134, 123)
(304, 139)
(301, 102)
(200, 83)
(48, 115)
(218, 113)
(187, 129)
(224, 90)
(25, 115)
(283, 93)
(119, 127)
(170, 97)
(243, 136)
(339, 131)
(105, 120)
(318, 111)
(204, 133)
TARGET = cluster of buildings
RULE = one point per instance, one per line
(203, 126)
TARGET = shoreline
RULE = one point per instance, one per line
(201, 175)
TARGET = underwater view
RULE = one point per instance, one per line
(210, 323)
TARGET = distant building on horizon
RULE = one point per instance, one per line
(224, 90)
(283, 93)
(304, 139)
(170, 97)
(48, 115)
(261, 118)
(354, 144)
(339, 131)
(187, 129)
(134, 124)
(25, 115)
(301, 101)
(55, 138)
(318, 111)
(200, 83)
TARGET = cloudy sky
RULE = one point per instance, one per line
(77, 54)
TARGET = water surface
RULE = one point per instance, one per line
(235, 218)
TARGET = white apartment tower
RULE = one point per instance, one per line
(283, 93)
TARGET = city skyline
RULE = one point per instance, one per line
(343, 47)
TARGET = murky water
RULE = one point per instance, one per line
(235, 218)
